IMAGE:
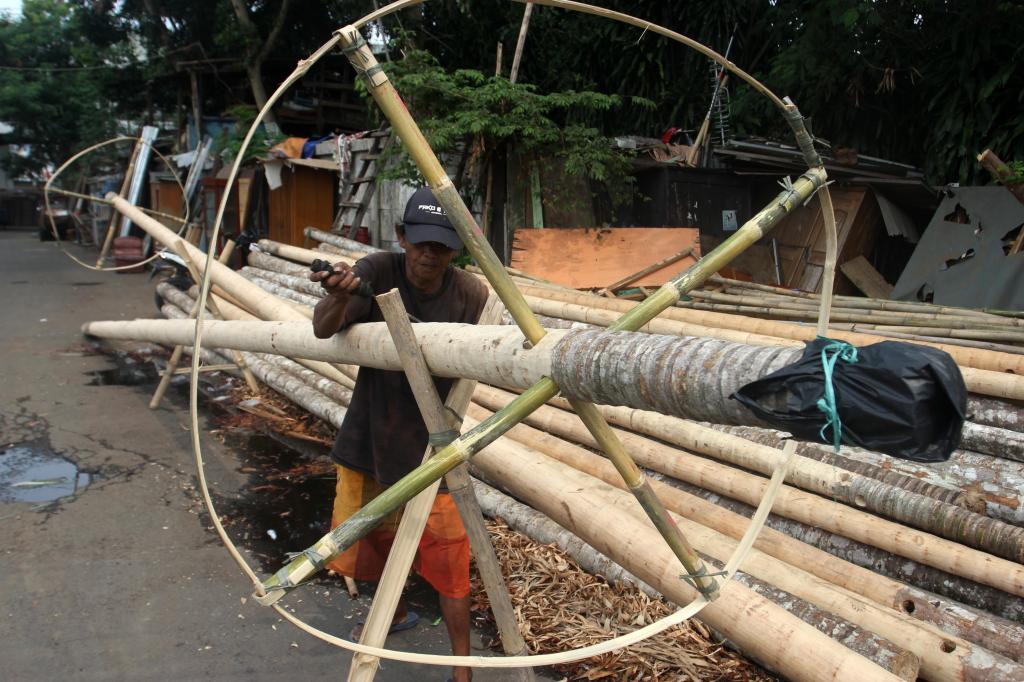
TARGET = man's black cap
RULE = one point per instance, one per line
(425, 221)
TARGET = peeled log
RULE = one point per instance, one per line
(282, 381)
(265, 261)
(995, 412)
(247, 293)
(993, 618)
(339, 241)
(299, 284)
(284, 291)
(998, 500)
(922, 486)
(977, 380)
(545, 531)
(993, 440)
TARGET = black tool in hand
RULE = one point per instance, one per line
(325, 266)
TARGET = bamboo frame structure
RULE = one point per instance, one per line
(354, 46)
(799, 551)
(474, 440)
(462, 449)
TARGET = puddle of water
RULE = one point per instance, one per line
(286, 504)
(31, 473)
(122, 375)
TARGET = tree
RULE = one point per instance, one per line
(257, 50)
(53, 103)
(469, 114)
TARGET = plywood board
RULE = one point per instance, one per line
(593, 258)
(867, 279)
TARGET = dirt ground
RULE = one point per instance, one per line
(111, 569)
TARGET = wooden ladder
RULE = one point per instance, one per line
(358, 189)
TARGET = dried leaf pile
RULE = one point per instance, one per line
(560, 606)
(268, 409)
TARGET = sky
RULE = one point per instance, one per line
(11, 6)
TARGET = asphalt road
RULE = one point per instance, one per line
(120, 577)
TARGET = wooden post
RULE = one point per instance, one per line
(520, 42)
(416, 511)
(994, 165)
(115, 217)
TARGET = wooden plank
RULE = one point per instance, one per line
(867, 279)
(592, 258)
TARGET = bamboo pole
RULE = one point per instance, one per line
(172, 362)
(762, 630)
(520, 42)
(873, 307)
(380, 87)
(927, 642)
(761, 308)
(414, 518)
(736, 286)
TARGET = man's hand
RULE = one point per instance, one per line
(341, 280)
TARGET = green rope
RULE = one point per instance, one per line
(827, 404)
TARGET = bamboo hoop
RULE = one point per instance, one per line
(204, 288)
(53, 226)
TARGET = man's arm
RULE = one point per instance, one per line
(329, 313)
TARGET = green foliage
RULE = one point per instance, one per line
(465, 112)
(229, 144)
(51, 104)
(927, 82)
(1016, 172)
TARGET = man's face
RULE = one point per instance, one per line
(425, 262)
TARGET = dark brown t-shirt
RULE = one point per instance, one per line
(383, 434)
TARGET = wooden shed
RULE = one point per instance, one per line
(304, 196)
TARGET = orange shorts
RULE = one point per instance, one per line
(443, 554)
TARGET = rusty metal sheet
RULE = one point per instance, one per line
(592, 258)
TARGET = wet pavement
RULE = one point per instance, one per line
(111, 568)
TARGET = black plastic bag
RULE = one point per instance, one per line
(905, 400)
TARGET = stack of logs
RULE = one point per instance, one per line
(916, 567)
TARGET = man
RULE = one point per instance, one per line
(383, 436)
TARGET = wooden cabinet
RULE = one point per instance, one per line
(305, 198)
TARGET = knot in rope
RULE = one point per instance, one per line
(832, 352)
